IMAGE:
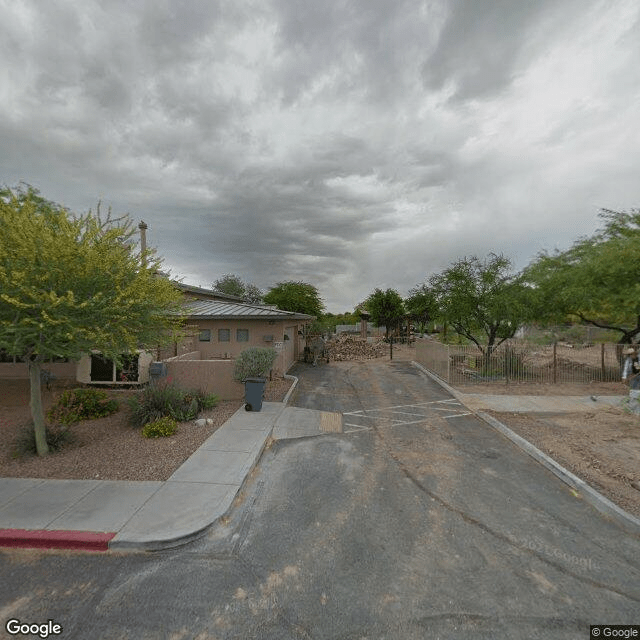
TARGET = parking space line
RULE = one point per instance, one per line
(397, 415)
(355, 428)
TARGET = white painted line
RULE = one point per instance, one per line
(457, 415)
(355, 428)
(408, 413)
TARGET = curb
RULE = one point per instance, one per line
(287, 397)
(627, 521)
(53, 539)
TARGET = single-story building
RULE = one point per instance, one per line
(223, 329)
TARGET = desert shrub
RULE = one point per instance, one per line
(81, 404)
(162, 399)
(254, 362)
(206, 400)
(160, 428)
(57, 438)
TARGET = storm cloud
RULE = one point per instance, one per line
(352, 145)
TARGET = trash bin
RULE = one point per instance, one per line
(253, 393)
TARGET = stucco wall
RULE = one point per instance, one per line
(212, 376)
(258, 331)
(20, 370)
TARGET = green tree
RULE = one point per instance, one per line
(386, 309)
(233, 285)
(421, 305)
(331, 320)
(69, 284)
(597, 280)
(296, 296)
(482, 300)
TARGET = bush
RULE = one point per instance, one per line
(254, 362)
(160, 400)
(81, 404)
(161, 428)
(57, 438)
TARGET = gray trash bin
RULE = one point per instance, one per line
(253, 393)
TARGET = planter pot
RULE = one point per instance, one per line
(254, 393)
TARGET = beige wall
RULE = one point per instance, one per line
(211, 376)
(288, 350)
(20, 370)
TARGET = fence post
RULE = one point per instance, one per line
(555, 363)
(448, 364)
(602, 361)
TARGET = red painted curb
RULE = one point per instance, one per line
(44, 539)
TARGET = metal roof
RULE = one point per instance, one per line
(215, 309)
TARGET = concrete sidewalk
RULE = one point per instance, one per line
(537, 404)
(101, 515)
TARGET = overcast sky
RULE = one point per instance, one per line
(351, 144)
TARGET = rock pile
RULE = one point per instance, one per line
(345, 347)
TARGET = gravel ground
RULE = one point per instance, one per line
(107, 448)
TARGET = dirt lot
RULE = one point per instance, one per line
(107, 448)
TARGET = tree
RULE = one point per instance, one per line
(331, 320)
(421, 305)
(235, 286)
(230, 284)
(597, 280)
(253, 294)
(481, 300)
(296, 296)
(386, 309)
(69, 284)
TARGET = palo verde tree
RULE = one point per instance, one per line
(597, 280)
(69, 284)
(386, 309)
(482, 300)
(300, 297)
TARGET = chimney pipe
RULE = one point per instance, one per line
(143, 237)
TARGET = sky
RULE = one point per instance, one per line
(348, 144)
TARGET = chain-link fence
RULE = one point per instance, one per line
(518, 361)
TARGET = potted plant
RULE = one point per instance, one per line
(251, 368)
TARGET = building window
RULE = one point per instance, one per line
(205, 335)
(242, 335)
(224, 335)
